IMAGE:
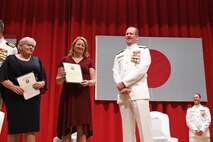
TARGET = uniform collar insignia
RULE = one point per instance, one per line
(120, 56)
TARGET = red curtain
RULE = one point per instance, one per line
(54, 24)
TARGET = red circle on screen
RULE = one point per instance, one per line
(159, 70)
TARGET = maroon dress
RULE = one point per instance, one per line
(75, 102)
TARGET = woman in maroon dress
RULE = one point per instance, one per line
(75, 103)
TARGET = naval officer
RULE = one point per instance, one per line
(130, 77)
(6, 49)
(198, 119)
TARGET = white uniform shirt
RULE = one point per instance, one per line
(130, 67)
(6, 49)
(198, 117)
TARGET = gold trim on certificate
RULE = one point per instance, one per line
(26, 83)
(73, 72)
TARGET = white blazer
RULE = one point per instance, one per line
(130, 67)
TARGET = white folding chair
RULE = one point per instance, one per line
(161, 128)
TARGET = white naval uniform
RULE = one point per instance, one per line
(130, 67)
(9, 49)
(198, 117)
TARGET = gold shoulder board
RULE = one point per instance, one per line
(142, 46)
(120, 52)
(10, 44)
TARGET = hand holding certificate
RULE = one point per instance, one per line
(73, 73)
(26, 83)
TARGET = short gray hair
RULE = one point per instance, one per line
(1, 26)
(27, 40)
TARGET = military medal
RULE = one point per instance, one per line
(136, 57)
(3, 54)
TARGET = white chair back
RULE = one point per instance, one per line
(161, 127)
(160, 124)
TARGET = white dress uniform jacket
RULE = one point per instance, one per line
(130, 67)
(198, 117)
(6, 49)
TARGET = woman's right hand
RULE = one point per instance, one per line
(17, 89)
(60, 75)
(9, 85)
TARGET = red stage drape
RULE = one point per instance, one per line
(54, 24)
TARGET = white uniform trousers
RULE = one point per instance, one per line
(136, 110)
(199, 139)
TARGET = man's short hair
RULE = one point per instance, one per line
(136, 31)
(1, 25)
(197, 94)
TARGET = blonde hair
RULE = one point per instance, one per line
(86, 53)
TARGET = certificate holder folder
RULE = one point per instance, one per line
(26, 83)
(73, 73)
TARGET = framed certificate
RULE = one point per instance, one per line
(73, 72)
(26, 82)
